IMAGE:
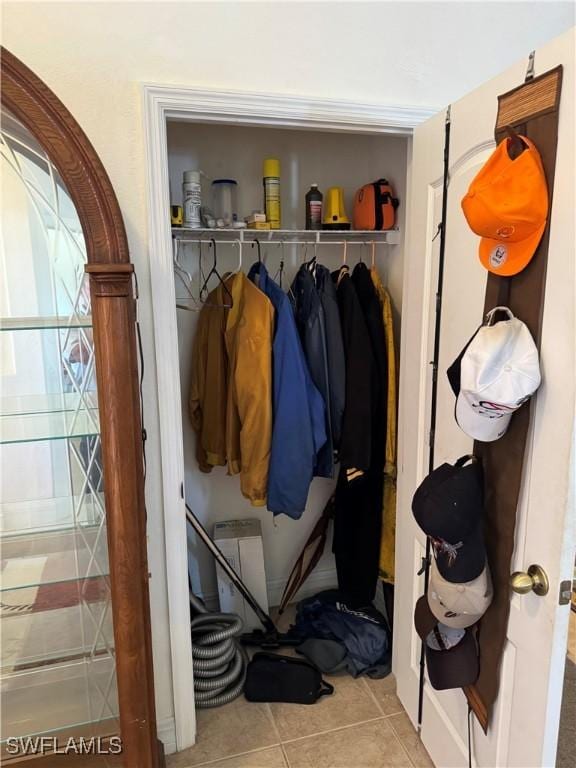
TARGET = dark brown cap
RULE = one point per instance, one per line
(455, 667)
(424, 619)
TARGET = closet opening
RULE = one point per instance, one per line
(262, 545)
(237, 152)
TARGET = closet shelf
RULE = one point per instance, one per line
(34, 561)
(49, 658)
(45, 323)
(23, 520)
(59, 425)
(290, 236)
(55, 698)
(23, 405)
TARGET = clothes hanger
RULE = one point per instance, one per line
(311, 265)
(239, 266)
(344, 269)
(280, 271)
(214, 271)
(186, 280)
(257, 242)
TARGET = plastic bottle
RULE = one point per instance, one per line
(272, 191)
(192, 199)
(314, 208)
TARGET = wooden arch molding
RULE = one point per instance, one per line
(114, 334)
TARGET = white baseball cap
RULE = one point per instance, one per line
(459, 605)
(498, 371)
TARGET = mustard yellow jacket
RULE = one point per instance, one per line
(231, 389)
(388, 539)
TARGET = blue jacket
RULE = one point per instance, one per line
(299, 417)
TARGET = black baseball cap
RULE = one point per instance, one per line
(454, 371)
(449, 502)
(452, 667)
(463, 560)
(448, 506)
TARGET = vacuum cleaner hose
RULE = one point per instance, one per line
(219, 661)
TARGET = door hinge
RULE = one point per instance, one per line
(565, 592)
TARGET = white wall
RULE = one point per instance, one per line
(328, 158)
(95, 55)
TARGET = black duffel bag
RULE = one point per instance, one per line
(271, 677)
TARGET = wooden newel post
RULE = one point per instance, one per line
(113, 312)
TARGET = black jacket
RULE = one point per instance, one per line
(361, 377)
(372, 311)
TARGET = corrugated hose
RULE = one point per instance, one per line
(219, 660)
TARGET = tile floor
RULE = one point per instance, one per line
(362, 725)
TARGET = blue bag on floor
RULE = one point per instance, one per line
(362, 634)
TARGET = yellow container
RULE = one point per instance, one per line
(272, 167)
(334, 212)
(271, 182)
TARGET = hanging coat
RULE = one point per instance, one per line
(356, 442)
(388, 540)
(358, 505)
(334, 350)
(372, 311)
(311, 324)
(244, 422)
(209, 383)
(298, 411)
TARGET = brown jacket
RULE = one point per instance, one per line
(231, 390)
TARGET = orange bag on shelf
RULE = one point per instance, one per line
(375, 206)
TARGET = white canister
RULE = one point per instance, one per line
(192, 199)
(224, 194)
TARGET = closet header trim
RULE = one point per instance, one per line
(246, 107)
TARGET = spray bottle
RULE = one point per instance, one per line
(272, 191)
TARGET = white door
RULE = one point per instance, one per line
(523, 730)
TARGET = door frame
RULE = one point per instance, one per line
(161, 103)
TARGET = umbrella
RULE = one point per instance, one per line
(310, 555)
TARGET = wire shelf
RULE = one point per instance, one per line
(288, 236)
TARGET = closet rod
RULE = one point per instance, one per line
(266, 243)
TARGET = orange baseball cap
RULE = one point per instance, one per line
(507, 205)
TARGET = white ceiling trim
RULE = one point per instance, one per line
(245, 107)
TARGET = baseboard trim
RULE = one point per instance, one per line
(166, 731)
(316, 582)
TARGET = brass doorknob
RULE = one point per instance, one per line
(535, 580)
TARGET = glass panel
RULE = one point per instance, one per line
(57, 653)
(44, 323)
(46, 426)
